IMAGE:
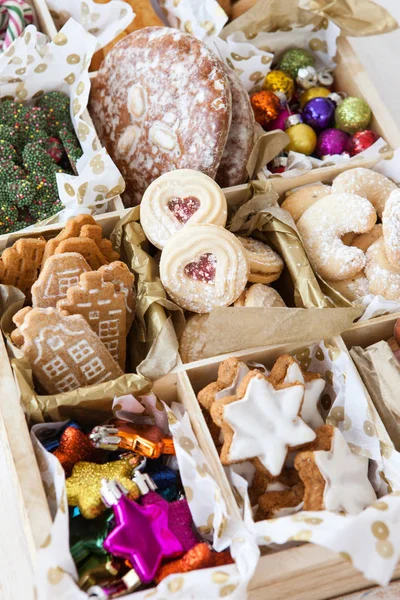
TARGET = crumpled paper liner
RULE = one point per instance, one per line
(56, 572)
(355, 538)
(31, 67)
(152, 346)
(380, 372)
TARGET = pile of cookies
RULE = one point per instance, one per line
(346, 245)
(163, 101)
(273, 420)
(80, 304)
(203, 265)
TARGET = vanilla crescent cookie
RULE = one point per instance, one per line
(322, 226)
(354, 288)
(391, 228)
(297, 202)
(383, 277)
(161, 101)
(260, 296)
(366, 183)
(265, 265)
(365, 240)
(179, 198)
(203, 267)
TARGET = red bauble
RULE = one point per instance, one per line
(362, 140)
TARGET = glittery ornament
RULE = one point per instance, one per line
(302, 137)
(200, 556)
(166, 480)
(278, 81)
(314, 92)
(279, 122)
(74, 447)
(266, 106)
(83, 487)
(361, 141)
(295, 59)
(87, 536)
(332, 141)
(142, 533)
(353, 114)
(319, 113)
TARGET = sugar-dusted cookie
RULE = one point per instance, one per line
(335, 479)
(260, 296)
(60, 272)
(192, 341)
(72, 228)
(20, 264)
(103, 308)
(265, 264)
(231, 373)
(261, 421)
(391, 228)
(232, 168)
(179, 198)
(322, 226)
(203, 267)
(365, 240)
(123, 280)
(297, 202)
(366, 183)
(161, 101)
(383, 277)
(354, 288)
(64, 352)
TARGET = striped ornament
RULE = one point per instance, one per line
(15, 15)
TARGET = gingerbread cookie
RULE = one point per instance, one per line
(265, 265)
(297, 202)
(232, 169)
(336, 479)
(203, 267)
(261, 421)
(260, 296)
(322, 226)
(16, 336)
(102, 308)
(123, 280)
(72, 228)
(231, 373)
(150, 87)
(59, 273)
(180, 198)
(366, 183)
(20, 264)
(383, 277)
(280, 500)
(64, 352)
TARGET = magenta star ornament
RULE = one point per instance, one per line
(142, 534)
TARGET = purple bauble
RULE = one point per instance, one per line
(279, 122)
(319, 113)
(332, 141)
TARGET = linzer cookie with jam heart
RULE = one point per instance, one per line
(177, 199)
(203, 267)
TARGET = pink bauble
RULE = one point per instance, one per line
(279, 122)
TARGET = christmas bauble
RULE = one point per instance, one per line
(319, 113)
(278, 164)
(279, 122)
(362, 140)
(295, 59)
(278, 81)
(353, 114)
(302, 137)
(266, 106)
(315, 92)
(332, 141)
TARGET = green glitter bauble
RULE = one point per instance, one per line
(352, 115)
(296, 59)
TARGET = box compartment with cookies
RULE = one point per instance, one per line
(329, 569)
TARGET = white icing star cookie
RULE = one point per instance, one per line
(313, 388)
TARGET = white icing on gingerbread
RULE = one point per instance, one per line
(312, 392)
(241, 372)
(347, 486)
(266, 423)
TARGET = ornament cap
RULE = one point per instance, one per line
(144, 482)
(279, 161)
(112, 492)
(131, 580)
(103, 436)
(293, 120)
(307, 77)
(282, 98)
(325, 77)
(336, 98)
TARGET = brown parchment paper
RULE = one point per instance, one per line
(267, 145)
(355, 18)
(380, 372)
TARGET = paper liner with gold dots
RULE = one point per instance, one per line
(369, 540)
(104, 21)
(56, 574)
(32, 67)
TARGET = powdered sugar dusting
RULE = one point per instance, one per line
(173, 89)
(383, 277)
(391, 227)
(366, 183)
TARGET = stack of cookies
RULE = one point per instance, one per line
(80, 305)
(273, 420)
